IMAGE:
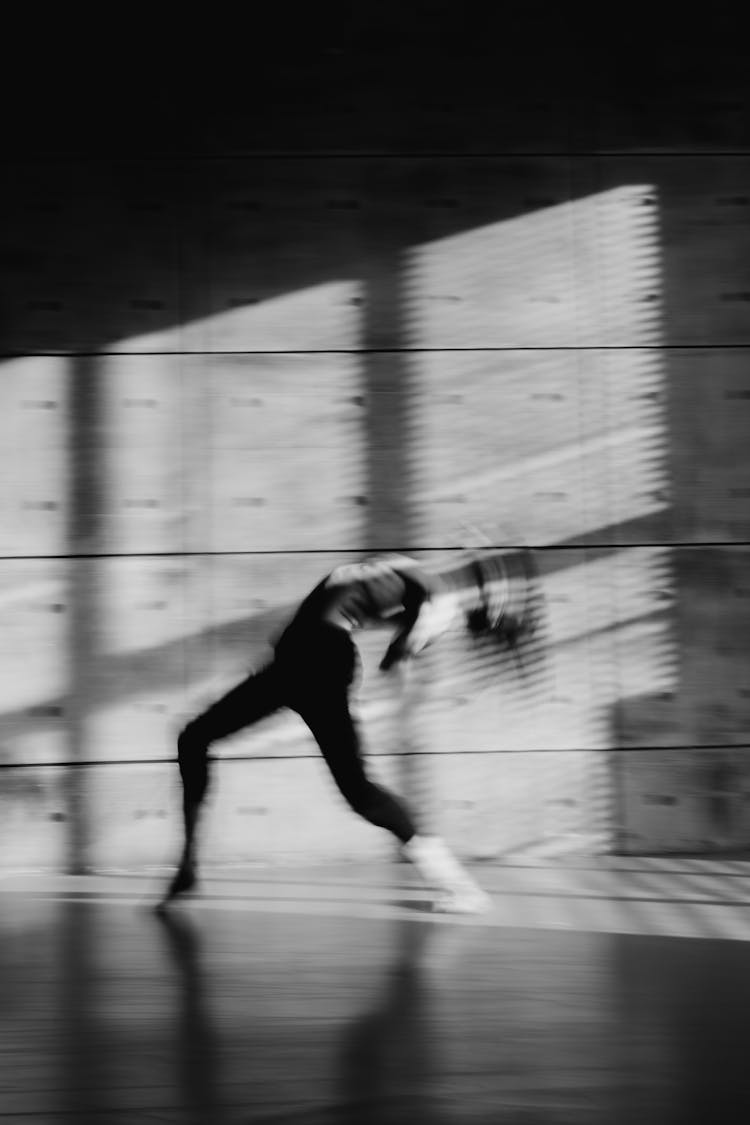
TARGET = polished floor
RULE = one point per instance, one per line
(596, 991)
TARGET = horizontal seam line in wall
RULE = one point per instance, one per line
(686, 545)
(315, 756)
(383, 351)
(214, 157)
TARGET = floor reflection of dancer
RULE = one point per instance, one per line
(394, 1056)
(387, 1065)
(312, 671)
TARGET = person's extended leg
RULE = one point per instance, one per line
(319, 679)
(318, 672)
(433, 859)
(253, 699)
(335, 732)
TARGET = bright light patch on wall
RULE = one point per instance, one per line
(585, 273)
(309, 319)
(319, 317)
(34, 606)
(34, 395)
(550, 443)
(543, 377)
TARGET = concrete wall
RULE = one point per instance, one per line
(496, 300)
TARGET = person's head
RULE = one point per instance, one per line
(498, 594)
(480, 587)
(493, 589)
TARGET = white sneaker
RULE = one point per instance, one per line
(463, 901)
(435, 863)
(439, 868)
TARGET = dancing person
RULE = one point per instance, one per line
(312, 673)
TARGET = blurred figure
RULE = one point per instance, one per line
(312, 672)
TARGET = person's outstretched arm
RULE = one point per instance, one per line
(428, 612)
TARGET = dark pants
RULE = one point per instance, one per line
(312, 673)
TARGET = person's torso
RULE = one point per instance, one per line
(353, 596)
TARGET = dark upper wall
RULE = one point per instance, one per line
(393, 77)
(118, 207)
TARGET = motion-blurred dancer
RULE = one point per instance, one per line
(312, 671)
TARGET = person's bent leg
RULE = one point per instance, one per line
(192, 757)
(253, 699)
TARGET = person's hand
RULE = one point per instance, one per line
(396, 652)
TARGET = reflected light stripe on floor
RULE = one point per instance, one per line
(592, 900)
